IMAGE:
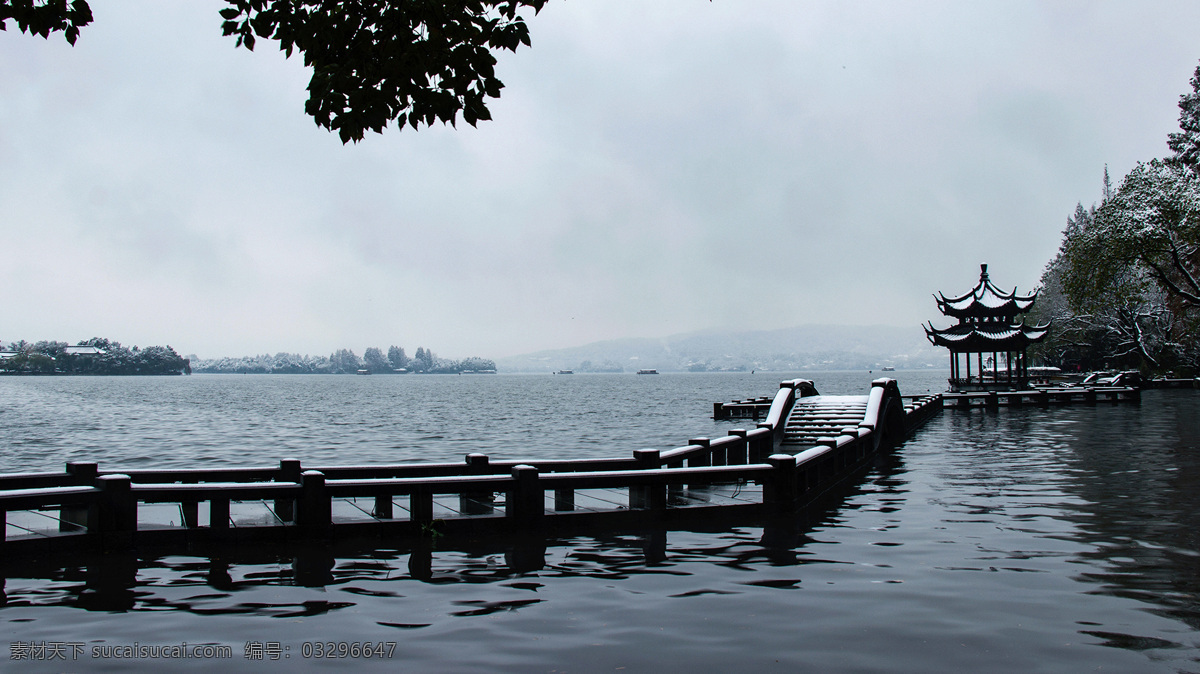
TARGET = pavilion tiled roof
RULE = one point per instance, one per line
(986, 336)
(985, 300)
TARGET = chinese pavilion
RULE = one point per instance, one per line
(987, 324)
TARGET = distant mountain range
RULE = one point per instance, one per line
(806, 347)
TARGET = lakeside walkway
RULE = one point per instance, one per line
(806, 444)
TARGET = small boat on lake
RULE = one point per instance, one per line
(565, 372)
(648, 371)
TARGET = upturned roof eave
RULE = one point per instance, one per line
(1010, 307)
(983, 343)
(969, 337)
(972, 303)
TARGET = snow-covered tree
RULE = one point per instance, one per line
(1122, 289)
(1185, 143)
(1151, 225)
(375, 361)
(396, 357)
(344, 361)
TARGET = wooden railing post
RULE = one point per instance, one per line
(314, 511)
(641, 496)
(699, 459)
(854, 447)
(762, 446)
(647, 459)
(383, 507)
(739, 454)
(420, 506)
(82, 472)
(652, 497)
(117, 512)
(780, 490)
(189, 509)
(476, 502)
(289, 471)
(526, 500)
(73, 516)
(719, 455)
(218, 513)
(564, 499)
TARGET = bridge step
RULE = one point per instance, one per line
(822, 416)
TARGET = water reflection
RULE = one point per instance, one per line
(1137, 473)
(1007, 540)
(1111, 494)
(123, 582)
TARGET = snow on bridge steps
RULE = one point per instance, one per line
(806, 444)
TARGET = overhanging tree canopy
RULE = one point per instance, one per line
(374, 61)
(1152, 223)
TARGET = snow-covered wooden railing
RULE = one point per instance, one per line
(99, 508)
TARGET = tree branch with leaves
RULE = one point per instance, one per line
(374, 62)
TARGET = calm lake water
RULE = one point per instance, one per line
(1062, 540)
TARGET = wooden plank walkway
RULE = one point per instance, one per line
(806, 444)
(1171, 383)
(1043, 397)
(757, 408)
(749, 408)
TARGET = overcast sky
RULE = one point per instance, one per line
(652, 168)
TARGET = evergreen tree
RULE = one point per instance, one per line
(423, 360)
(375, 362)
(345, 362)
(1121, 288)
(397, 358)
(1185, 143)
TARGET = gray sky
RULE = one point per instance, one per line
(652, 168)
